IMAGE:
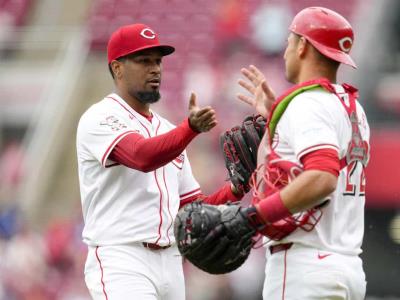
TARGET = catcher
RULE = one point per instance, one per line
(309, 185)
(218, 239)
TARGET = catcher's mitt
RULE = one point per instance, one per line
(239, 147)
(216, 239)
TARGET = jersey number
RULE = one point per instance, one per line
(351, 185)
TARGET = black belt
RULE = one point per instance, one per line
(154, 246)
(280, 247)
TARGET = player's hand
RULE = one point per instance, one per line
(201, 119)
(262, 95)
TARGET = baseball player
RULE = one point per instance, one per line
(309, 189)
(134, 175)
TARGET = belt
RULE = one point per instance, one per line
(154, 246)
(280, 247)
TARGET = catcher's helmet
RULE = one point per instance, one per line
(330, 33)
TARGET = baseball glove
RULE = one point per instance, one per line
(239, 147)
(216, 239)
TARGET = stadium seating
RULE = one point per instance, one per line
(196, 28)
(16, 9)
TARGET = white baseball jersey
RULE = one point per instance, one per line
(123, 205)
(317, 119)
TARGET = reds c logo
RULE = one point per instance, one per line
(114, 123)
(345, 44)
(148, 33)
(178, 162)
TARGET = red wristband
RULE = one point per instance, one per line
(272, 209)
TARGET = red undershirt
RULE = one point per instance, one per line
(148, 154)
(324, 160)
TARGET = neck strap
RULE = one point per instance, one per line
(358, 149)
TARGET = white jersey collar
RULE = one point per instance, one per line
(126, 106)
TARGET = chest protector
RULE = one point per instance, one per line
(274, 173)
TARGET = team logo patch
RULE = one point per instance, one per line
(178, 162)
(148, 33)
(345, 44)
(114, 123)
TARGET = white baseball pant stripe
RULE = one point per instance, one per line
(134, 272)
(308, 273)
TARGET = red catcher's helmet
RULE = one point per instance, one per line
(330, 33)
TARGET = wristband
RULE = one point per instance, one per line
(272, 209)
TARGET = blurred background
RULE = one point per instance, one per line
(53, 67)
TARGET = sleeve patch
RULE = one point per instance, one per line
(114, 123)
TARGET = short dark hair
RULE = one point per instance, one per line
(120, 59)
(321, 57)
(333, 64)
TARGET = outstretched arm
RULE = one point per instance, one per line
(148, 154)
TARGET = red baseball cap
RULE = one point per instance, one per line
(133, 38)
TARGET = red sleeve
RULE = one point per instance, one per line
(324, 160)
(147, 154)
(221, 196)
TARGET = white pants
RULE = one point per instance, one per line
(134, 272)
(306, 273)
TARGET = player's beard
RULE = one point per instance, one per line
(147, 97)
